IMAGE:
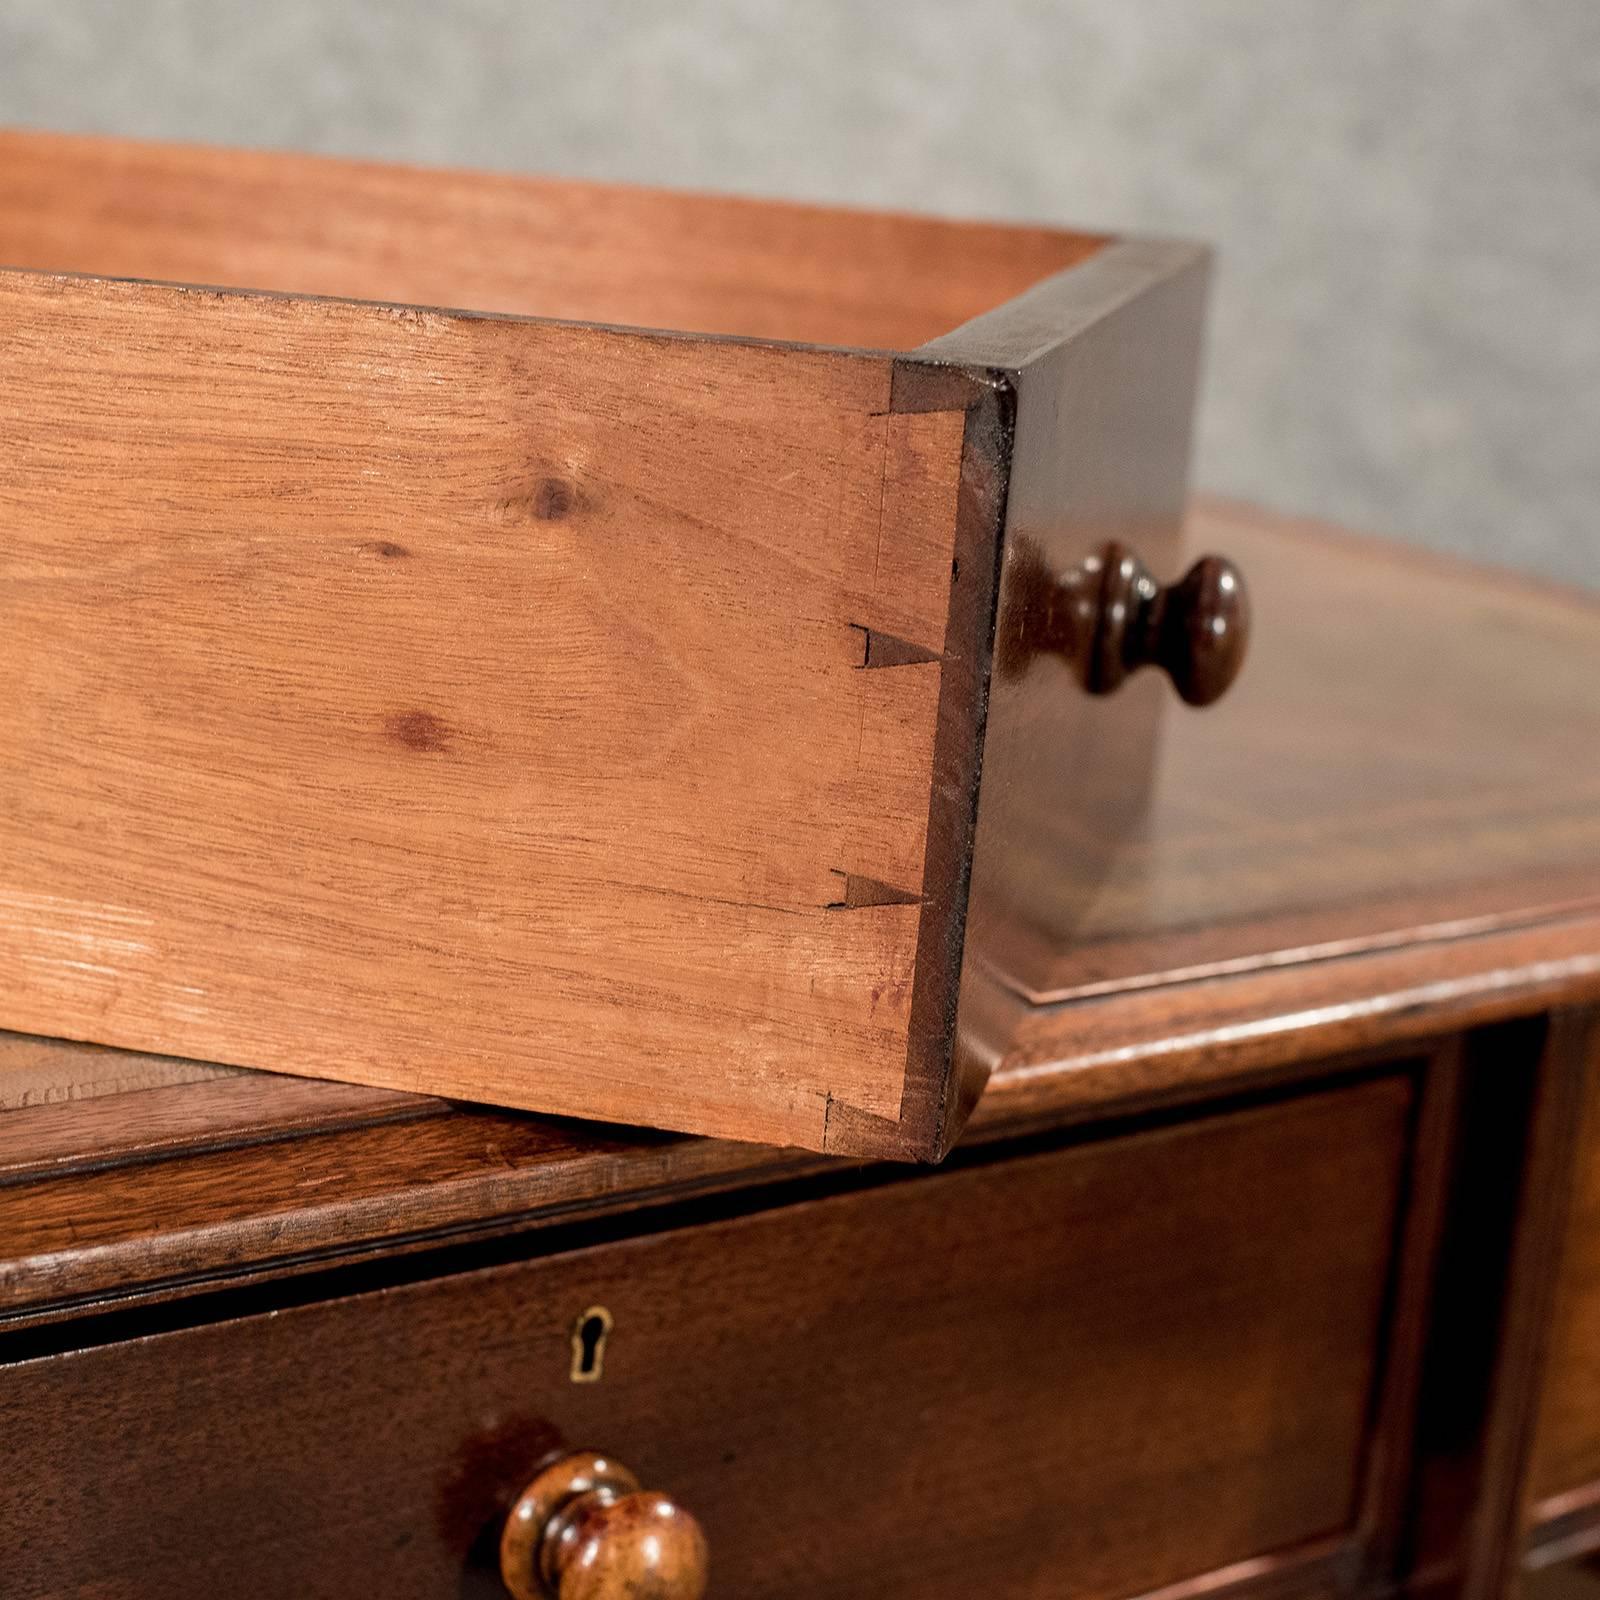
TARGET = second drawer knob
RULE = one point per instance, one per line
(585, 1530)
(1107, 617)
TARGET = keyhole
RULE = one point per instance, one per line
(589, 1335)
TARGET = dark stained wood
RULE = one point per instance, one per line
(957, 1322)
(1491, 1298)
(1577, 1577)
(232, 1202)
(208, 1114)
(1336, 1343)
(348, 1193)
(1375, 972)
(1197, 631)
(1394, 1460)
(1178, 1039)
(1093, 1372)
(948, 1097)
(1544, 1200)
(1411, 753)
(1100, 453)
(338, 1197)
(1564, 1474)
(1108, 616)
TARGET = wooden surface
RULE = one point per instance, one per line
(1492, 1302)
(622, 691)
(1411, 755)
(585, 1529)
(38, 1072)
(155, 1192)
(587, 252)
(1564, 1476)
(1290, 1349)
(419, 741)
(1095, 1372)
(1101, 454)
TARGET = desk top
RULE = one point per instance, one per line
(1391, 830)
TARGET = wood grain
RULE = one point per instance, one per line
(1564, 1473)
(211, 1114)
(1101, 454)
(1411, 753)
(1491, 1301)
(1389, 974)
(1097, 1371)
(226, 1198)
(455, 701)
(587, 252)
(36, 1072)
(1142, 1045)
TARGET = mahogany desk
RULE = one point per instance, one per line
(1269, 1264)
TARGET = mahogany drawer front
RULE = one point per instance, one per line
(1088, 1372)
(1566, 1454)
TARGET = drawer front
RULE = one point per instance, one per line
(1566, 1456)
(1088, 1372)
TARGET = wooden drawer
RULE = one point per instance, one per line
(1089, 1372)
(1564, 1475)
(545, 711)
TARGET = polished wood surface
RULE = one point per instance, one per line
(145, 1202)
(585, 252)
(169, 1187)
(154, 1192)
(1100, 454)
(1411, 755)
(1564, 1476)
(1094, 1370)
(1107, 617)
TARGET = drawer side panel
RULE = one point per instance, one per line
(464, 704)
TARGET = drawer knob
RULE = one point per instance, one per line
(1108, 616)
(584, 1530)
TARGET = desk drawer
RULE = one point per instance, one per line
(519, 705)
(1564, 1476)
(1088, 1372)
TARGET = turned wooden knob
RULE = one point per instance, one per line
(1196, 630)
(584, 1530)
(1108, 617)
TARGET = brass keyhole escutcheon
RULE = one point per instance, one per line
(589, 1335)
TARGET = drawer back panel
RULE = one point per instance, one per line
(589, 252)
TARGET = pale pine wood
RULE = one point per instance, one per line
(462, 702)
(139, 1123)
(37, 1072)
(535, 246)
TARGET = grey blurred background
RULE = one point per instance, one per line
(1406, 196)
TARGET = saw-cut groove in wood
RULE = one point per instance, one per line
(859, 891)
(885, 650)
